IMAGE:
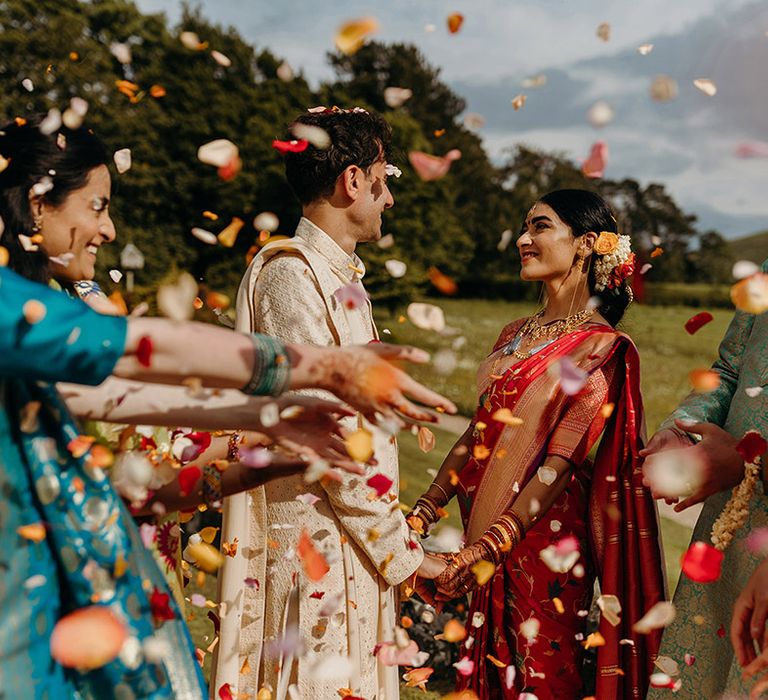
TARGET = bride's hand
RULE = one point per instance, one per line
(431, 567)
(457, 578)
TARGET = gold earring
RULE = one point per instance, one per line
(37, 220)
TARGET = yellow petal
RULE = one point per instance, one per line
(426, 439)
(206, 557)
(228, 236)
(594, 640)
(351, 35)
(483, 571)
(34, 532)
(208, 534)
(504, 415)
(360, 445)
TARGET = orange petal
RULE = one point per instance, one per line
(351, 35)
(426, 439)
(704, 380)
(34, 532)
(455, 20)
(88, 638)
(228, 236)
(314, 563)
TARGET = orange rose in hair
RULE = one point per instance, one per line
(606, 243)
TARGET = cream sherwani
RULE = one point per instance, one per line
(288, 291)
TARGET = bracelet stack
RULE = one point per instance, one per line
(424, 515)
(503, 536)
(271, 367)
(212, 493)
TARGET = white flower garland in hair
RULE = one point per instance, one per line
(612, 250)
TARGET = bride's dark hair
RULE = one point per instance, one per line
(586, 211)
(66, 156)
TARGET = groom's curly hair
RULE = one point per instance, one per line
(356, 138)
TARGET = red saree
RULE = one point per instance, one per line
(605, 507)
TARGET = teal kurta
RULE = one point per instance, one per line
(88, 531)
(742, 363)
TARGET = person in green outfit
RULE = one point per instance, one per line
(710, 425)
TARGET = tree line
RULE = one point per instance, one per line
(168, 99)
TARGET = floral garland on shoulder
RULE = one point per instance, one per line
(614, 261)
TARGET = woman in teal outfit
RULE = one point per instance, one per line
(698, 638)
(91, 553)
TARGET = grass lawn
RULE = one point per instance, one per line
(667, 353)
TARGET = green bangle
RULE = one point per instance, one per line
(271, 367)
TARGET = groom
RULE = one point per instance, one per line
(309, 289)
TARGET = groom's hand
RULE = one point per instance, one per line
(722, 467)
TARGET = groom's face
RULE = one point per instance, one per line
(374, 198)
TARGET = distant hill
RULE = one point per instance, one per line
(754, 247)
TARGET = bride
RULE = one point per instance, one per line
(541, 519)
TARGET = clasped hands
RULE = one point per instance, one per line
(443, 577)
(719, 465)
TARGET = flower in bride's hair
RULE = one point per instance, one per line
(606, 243)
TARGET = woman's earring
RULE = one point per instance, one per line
(37, 220)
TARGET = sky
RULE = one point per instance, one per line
(688, 144)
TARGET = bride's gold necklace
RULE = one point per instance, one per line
(534, 330)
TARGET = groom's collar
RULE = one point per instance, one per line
(348, 266)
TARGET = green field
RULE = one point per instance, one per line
(667, 353)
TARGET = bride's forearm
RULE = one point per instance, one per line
(442, 489)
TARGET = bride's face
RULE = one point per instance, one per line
(546, 244)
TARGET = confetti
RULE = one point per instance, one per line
(396, 268)
(115, 276)
(219, 153)
(603, 31)
(34, 311)
(28, 85)
(395, 97)
(594, 165)
(644, 49)
(429, 167)
(379, 483)
(359, 445)
(562, 556)
(474, 121)
(743, 269)
(314, 564)
(572, 377)
(530, 629)
(88, 638)
(417, 677)
(663, 88)
(453, 632)
(518, 101)
(351, 35)
(204, 556)
(674, 473)
(351, 296)
(751, 446)
(464, 666)
(483, 571)
(205, 236)
(441, 282)
(313, 135)
(704, 380)
(706, 85)
(600, 114)
(427, 317)
(157, 91)
(455, 20)
(191, 41)
(222, 59)
(698, 321)
(122, 160)
(284, 72)
(535, 81)
(610, 606)
(386, 241)
(122, 52)
(751, 294)
(266, 221)
(175, 300)
(660, 615)
(426, 439)
(34, 532)
(228, 235)
(505, 240)
(753, 391)
(504, 415)
(546, 475)
(595, 639)
(188, 477)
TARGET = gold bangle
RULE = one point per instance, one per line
(514, 517)
(442, 490)
(512, 528)
(491, 548)
(504, 536)
(491, 532)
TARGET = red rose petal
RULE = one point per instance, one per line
(188, 477)
(295, 146)
(698, 321)
(317, 595)
(160, 604)
(721, 631)
(751, 446)
(702, 562)
(380, 483)
(225, 692)
(144, 351)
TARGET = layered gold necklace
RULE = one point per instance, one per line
(534, 330)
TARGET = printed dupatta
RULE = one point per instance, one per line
(622, 518)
